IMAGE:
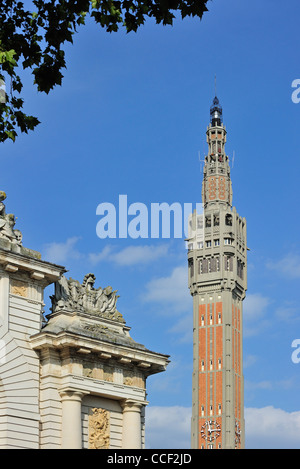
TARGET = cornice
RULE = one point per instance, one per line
(150, 362)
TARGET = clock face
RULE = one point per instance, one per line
(210, 430)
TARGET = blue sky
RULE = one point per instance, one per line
(130, 118)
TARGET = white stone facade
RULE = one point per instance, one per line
(76, 380)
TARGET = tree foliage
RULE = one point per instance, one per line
(34, 39)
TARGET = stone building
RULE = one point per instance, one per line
(217, 260)
(75, 378)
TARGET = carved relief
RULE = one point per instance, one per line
(132, 378)
(140, 382)
(18, 288)
(108, 373)
(99, 429)
(128, 377)
(91, 369)
(88, 369)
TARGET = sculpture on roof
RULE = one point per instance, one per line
(7, 223)
(72, 296)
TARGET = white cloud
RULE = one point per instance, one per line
(288, 266)
(140, 254)
(131, 255)
(95, 258)
(255, 309)
(184, 328)
(249, 360)
(271, 428)
(174, 380)
(255, 306)
(168, 427)
(253, 385)
(60, 253)
(266, 428)
(270, 385)
(171, 291)
(288, 313)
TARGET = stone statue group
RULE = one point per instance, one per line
(73, 296)
(7, 223)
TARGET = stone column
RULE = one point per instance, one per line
(71, 428)
(132, 428)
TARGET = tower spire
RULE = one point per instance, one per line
(216, 186)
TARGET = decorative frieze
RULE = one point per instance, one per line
(132, 378)
(108, 373)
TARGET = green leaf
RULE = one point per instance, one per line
(11, 134)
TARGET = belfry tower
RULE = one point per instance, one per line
(217, 260)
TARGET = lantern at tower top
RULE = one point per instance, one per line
(216, 113)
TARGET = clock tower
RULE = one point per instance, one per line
(217, 263)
